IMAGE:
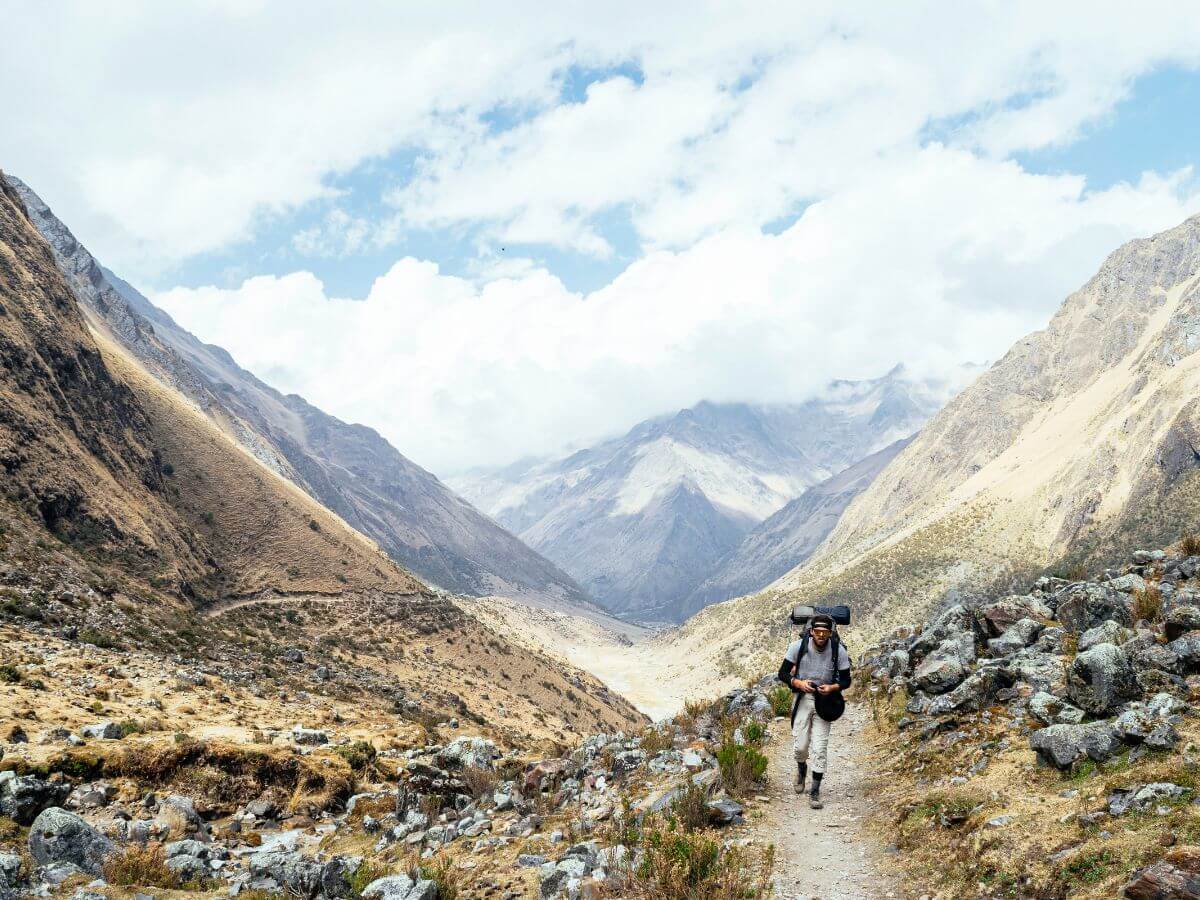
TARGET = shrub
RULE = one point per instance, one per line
(679, 865)
(1190, 545)
(9, 674)
(742, 767)
(442, 873)
(781, 700)
(1147, 604)
(689, 809)
(143, 866)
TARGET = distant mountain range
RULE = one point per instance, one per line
(653, 523)
(350, 469)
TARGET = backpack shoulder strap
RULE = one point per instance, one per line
(800, 653)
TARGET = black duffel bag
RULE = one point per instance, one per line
(840, 614)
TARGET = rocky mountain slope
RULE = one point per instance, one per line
(1079, 441)
(643, 519)
(129, 519)
(790, 536)
(350, 469)
(1043, 743)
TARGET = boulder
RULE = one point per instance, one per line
(22, 797)
(1168, 879)
(1143, 797)
(1063, 745)
(1128, 584)
(1156, 656)
(1042, 671)
(57, 837)
(1016, 637)
(390, 887)
(976, 691)
(1181, 620)
(1002, 614)
(1187, 649)
(107, 731)
(1053, 710)
(953, 622)
(1105, 633)
(896, 664)
(942, 670)
(10, 871)
(310, 736)
(1085, 605)
(1100, 679)
(725, 811)
(178, 817)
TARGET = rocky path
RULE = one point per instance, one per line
(825, 854)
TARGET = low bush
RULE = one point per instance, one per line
(689, 809)
(742, 767)
(480, 782)
(1190, 545)
(678, 865)
(781, 700)
(655, 740)
(359, 754)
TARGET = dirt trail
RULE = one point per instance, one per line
(826, 853)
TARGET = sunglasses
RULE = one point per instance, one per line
(817, 628)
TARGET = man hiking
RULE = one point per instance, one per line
(817, 669)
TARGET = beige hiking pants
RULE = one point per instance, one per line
(810, 734)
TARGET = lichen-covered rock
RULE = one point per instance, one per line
(1085, 605)
(1105, 633)
(952, 623)
(1063, 745)
(941, 670)
(1002, 614)
(976, 691)
(1100, 679)
(1180, 620)
(1017, 636)
(22, 797)
(57, 836)
(1042, 671)
(1053, 710)
(1128, 584)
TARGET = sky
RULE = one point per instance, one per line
(491, 231)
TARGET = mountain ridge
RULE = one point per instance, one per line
(349, 468)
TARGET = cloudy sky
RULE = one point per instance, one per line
(493, 230)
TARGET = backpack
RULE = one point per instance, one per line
(830, 707)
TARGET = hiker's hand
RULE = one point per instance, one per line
(829, 688)
(803, 684)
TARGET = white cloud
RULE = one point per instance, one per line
(456, 373)
(161, 131)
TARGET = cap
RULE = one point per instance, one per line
(821, 619)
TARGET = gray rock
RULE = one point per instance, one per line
(22, 797)
(1141, 798)
(1053, 710)
(310, 736)
(1105, 633)
(423, 890)
(1042, 671)
(10, 870)
(1002, 614)
(941, 670)
(390, 887)
(1163, 737)
(1085, 605)
(1100, 679)
(954, 622)
(1128, 584)
(1187, 649)
(469, 751)
(999, 822)
(1016, 637)
(975, 692)
(57, 836)
(1063, 745)
(1156, 656)
(1181, 620)
(107, 731)
(725, 812)
(897, 663)
(531, 860)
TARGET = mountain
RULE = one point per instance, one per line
(1082, 441)
(350, 469)
(791, 535)
(643, 519)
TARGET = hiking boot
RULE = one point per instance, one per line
(801, 775)
(814, 800)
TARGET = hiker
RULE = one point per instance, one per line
(817, 669)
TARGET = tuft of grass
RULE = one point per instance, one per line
(656, 740)
(480, 782)
(9, 674)
(1147, 604)
(1190, 545)
(359, 754)
(1090, 868)
(141, 866)
(441, 872)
